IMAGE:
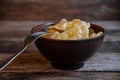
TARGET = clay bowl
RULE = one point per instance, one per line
(68, 54)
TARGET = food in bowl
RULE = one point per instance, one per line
(71, 30)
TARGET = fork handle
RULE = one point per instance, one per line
(9, 60)
(30, 38)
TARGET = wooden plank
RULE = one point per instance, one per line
(13, 46)
(60, 75)
(99, 62)
(12, 34)
(35, 67)
(55, 10)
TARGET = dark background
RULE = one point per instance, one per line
(57, 9)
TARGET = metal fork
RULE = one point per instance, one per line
(29, 39)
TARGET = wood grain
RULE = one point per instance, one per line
(60, 75)
(57, 9)
(32, 65)
(12, 34)
(108, 62)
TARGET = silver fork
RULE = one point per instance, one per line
(29, 39)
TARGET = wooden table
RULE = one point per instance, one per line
(31, 65)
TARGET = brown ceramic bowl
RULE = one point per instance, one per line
(68, 54)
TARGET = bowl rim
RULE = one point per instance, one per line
(51, 23)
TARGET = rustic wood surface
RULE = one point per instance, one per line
(31, 65)
(57, 9)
